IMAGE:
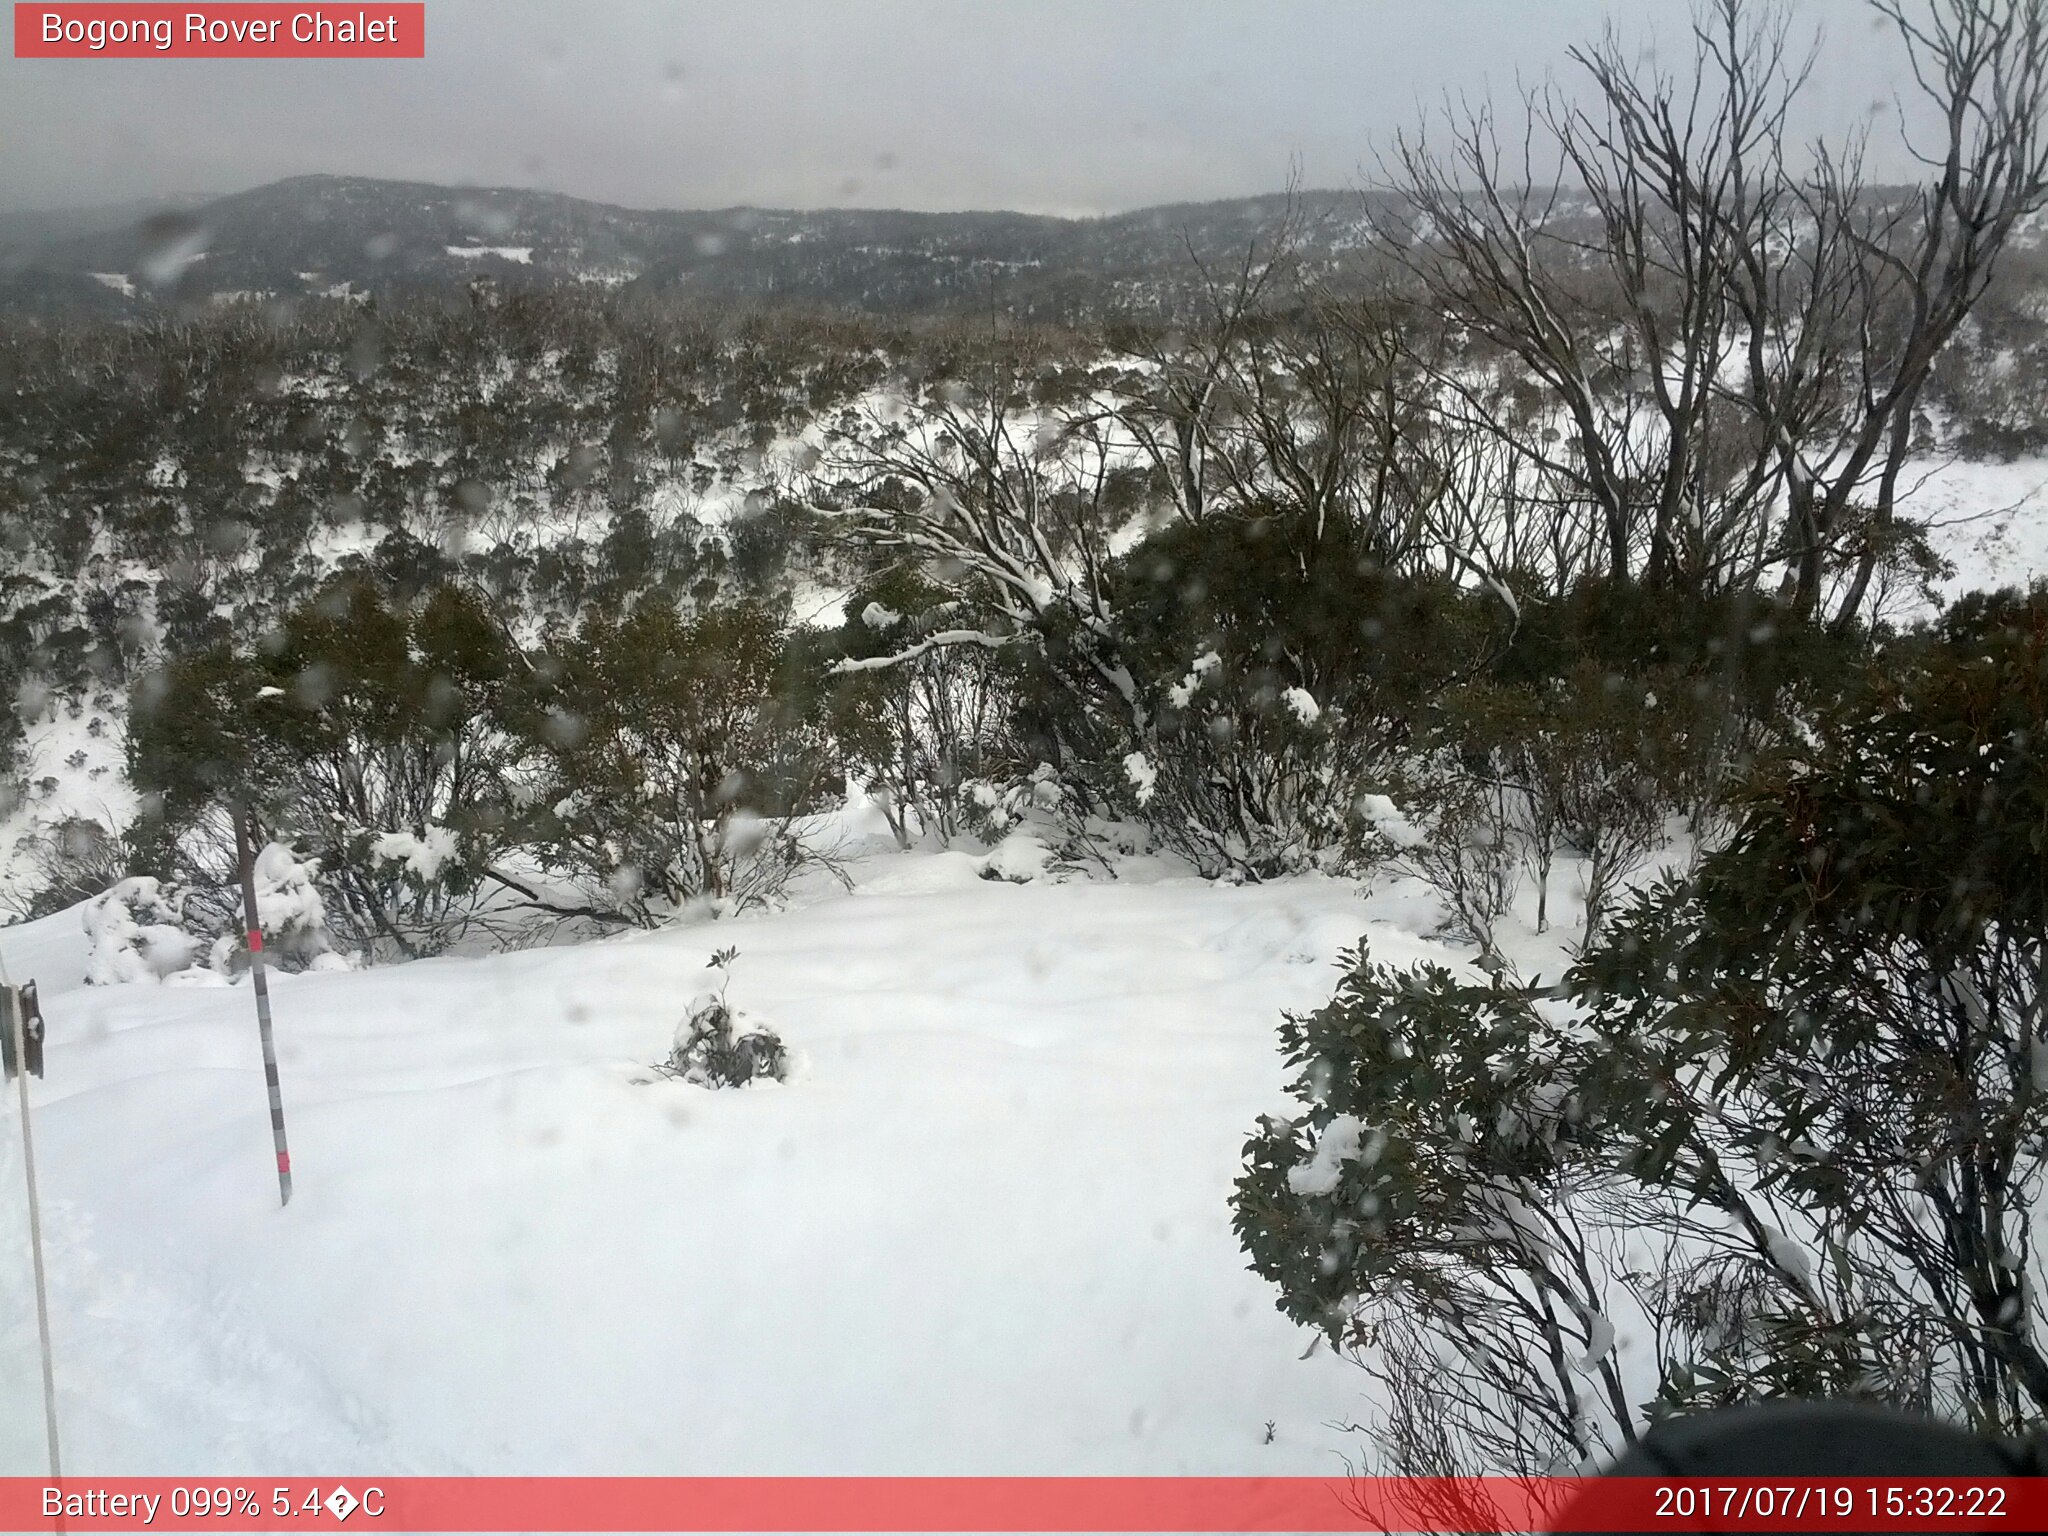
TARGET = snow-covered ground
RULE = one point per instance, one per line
(983, 1229)
(1990, 520)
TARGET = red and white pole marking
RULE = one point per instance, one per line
(245, 852)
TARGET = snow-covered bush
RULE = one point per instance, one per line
(422, 855)
(145, 929)
(717, 1046)
(426, 878)
(1037, 824)
(136, 931)
(1019, 858)
(1284, 677)
(292, 912)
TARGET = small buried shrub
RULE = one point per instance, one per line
(718, 1047)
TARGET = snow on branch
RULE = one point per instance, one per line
(944, 637)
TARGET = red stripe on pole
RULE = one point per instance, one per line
(255, 941)
(284, 1162)
(1119, 1504)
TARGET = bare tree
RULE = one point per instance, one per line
(1980, 68)
(1727, 351)
(1178, 399)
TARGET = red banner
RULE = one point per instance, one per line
(1022, 1504)
(216, 31)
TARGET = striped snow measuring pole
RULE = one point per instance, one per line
(10, 1001)
(246, 854)
(17, 1038)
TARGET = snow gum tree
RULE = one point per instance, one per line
(1193, 565)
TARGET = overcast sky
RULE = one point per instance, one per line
(1058, 106)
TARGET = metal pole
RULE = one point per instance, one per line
(246, 854)
(35, 1228)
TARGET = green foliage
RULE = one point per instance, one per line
(1852, 988)
(671, 753)
(357, 717)
(1729, 670)
(1285, 609)
(1785, 1120)
(765, 545)
(1434, 1085)
(188, 743)
(648, 759)
(1427, 1216)
(1920, 809)
(1228, 623)
(1588, 762)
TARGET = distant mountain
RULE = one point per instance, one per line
(341, 235)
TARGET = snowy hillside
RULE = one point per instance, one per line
(982, 1229)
